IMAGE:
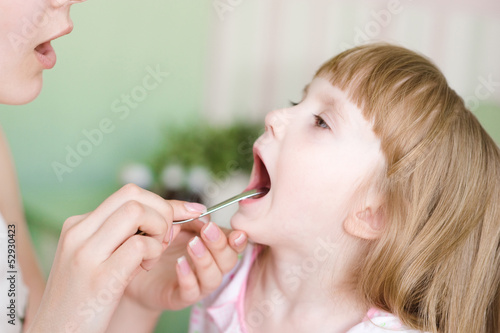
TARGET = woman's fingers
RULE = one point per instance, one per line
(186, 210)
(124, 222)
(170, 210)
(212, 257)
(195, 226)
(208, 272)
(129, 192)
(189, 289)
(238, 240)
(217, 243)
(101, 253)
(134, 252)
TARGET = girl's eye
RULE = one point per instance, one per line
(319, 122)
(292, 103)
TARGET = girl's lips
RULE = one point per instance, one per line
(46, 55)
(260, 178)
(252, 200)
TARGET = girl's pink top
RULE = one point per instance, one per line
(223, 311)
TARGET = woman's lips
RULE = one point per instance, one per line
(46, 55)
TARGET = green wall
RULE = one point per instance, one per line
(106, 56)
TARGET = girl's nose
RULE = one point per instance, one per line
(276, 122)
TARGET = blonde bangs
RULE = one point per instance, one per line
(398, 91)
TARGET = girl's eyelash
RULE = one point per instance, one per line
(292, 103)
(319, 122)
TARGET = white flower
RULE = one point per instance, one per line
(138, 174)
(197, 178)
(172, 176)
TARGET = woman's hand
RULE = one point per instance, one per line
(99, 253)
(191, 268)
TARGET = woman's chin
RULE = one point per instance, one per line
(20, 92)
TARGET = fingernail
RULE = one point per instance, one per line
(205, 219)
(197, 246)
(171, 235)
(212, 232)
(195, 207)
(183, 266)
(240, 240)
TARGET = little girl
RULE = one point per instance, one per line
(382, 212)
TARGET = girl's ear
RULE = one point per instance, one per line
(366, 224)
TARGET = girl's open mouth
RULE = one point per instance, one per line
(260, 177)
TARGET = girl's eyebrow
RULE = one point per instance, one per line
(328, 100)
(335, 108)
(305, 91)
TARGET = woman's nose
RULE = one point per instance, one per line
(60, 3)
(276, 122)
(60, 22)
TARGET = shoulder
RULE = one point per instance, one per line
(378, 321)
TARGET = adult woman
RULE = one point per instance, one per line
(97, 277)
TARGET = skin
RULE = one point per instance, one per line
(26, 25)
(12, 212)
(315, 164)
(104, 276)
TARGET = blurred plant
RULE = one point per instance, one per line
(192, 157)
(211, 147)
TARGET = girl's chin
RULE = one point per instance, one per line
(243, 223)
(238, 221)
(252, 227)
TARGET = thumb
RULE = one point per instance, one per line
(186, 210)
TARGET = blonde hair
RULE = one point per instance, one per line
(437, 265)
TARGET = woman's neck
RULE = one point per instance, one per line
(297, 293)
